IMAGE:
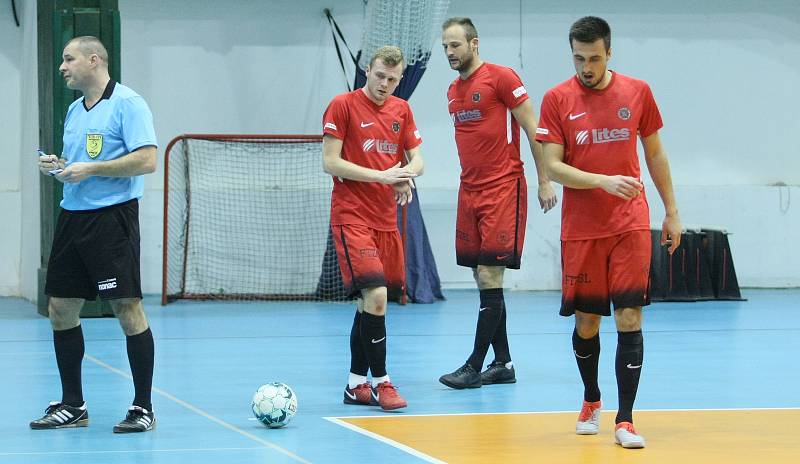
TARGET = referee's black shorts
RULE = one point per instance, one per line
(96, 252)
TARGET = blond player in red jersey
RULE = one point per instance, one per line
(588, 132)
(488, 104)
(368, 137)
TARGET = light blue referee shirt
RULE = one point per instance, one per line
(119, 123)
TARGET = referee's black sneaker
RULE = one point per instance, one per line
(138, 419)
(60, 416)
(463, 377)
(498, 372)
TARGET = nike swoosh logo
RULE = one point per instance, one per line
(352, 396)
(451, 101)
(634, 367)
(501, 257)
(583, 357)
(573, 117)
(378, 340)
(481, 309)
(367, 124)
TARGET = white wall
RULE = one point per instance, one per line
(14, 72)
(725, 77)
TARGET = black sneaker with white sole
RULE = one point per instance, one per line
(138, 419)
(60, 416)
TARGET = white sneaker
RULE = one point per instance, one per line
(625, 435)
(589, 419)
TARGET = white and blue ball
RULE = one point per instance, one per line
(274, 404)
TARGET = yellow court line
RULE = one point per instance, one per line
(200, 412)
(735, 436)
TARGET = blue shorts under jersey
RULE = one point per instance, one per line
(118, 124)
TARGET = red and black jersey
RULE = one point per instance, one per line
(487, 135)
(599, 129)
(376, 137)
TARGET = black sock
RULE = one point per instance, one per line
(587, 355)
(69, 349)
(630, 353)
(489, 316)
(359, 364)
(373, 339)
(141, 354)
(500, 340)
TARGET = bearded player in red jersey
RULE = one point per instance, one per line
(368, 135)
(488, 104)
(588, 132)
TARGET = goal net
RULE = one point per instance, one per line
(412, 25)
(247, 217)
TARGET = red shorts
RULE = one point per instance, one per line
(490, 225)
(370, 258)
(606, 270)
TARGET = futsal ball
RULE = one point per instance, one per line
(274, 404)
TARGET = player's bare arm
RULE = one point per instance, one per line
(415, 161)
(135, 163)
(658, 166)
(624, 187)
(335, 165)
(403, 191)
(526, 117)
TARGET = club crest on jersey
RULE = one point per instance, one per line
(624, 113)
(396, 126)
(476, 97)
(94, 144)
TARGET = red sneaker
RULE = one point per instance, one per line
(361, 394)
(388, 398)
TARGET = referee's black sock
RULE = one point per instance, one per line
(587, 355)
(488, 317)
(141, 354)
(359, 364)
(373, 339)
(500, 340)
(630, 354)
(69, 349)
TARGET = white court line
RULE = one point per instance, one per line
(387, 416)
(36, 453)
(208, 416)
(388, 441)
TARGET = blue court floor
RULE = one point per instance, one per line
(211, 357)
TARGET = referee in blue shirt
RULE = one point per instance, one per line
(109, 143)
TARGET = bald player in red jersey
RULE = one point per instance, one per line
(488, 104)
(368, 136)
(588, 131)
